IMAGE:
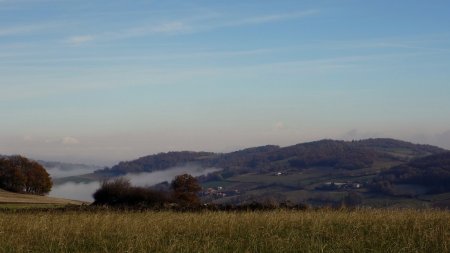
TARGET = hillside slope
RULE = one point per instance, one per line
(325, 153)
(323, 172)
(17, 198)
(431, 172)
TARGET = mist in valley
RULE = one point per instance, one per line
(84, 191)
(60, 172)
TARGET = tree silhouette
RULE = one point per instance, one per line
(185, 188)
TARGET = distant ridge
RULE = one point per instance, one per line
(334, 153)
(373, 172)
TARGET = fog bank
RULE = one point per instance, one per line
(84, 191)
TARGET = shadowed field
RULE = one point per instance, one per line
(271, 231)
(12, 200)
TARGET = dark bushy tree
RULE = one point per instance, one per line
(119, 192)
(18, 174)
(185, 189)
(112, 192)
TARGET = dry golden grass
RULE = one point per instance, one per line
(19, 198)
(271, 231)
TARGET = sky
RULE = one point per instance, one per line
(103, 81)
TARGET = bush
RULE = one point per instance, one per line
(119, 192)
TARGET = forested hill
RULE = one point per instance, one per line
(397, 147)
(432, 172)
(156, 162)
(350, 155)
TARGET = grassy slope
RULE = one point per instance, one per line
(275, 231)
(9, 198)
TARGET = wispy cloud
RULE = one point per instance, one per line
(23, 29)
(156, 57)
(170, 27)
(77, 40)
(192, 25)
(269, 18)
(174, 27)
(419, 42)
(279, 126)
(90, 81)
(70, 141)
(24, 1)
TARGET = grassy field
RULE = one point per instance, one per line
(271, 231)
(13, 200)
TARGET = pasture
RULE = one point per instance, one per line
(366, 230)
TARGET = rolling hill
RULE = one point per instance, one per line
(351, 155)
(431, 172)
(325, 172)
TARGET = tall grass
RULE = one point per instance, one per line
(271, 231)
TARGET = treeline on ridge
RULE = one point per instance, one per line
(349, 155)
(156, 162)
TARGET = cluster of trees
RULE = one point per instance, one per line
(18, 174)
(120, 192)
(431, 171)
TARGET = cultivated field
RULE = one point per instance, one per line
(18, 200)
(269, 231)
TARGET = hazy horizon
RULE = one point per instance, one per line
(98, 82)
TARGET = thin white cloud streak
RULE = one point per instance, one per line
(420, 42)
(19, 4)
(23, 29)
(159, 57)
(380, 43)
(160, 76)
(171, 27)
(77, 40)
(70, 141)
(267, 19)
(24, 1)
(204, 24)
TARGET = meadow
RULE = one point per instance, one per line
(366, 230)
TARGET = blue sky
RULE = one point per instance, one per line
(101, 81)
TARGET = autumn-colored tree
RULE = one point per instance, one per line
(11, 177)
(185, 188)
(18, 174)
